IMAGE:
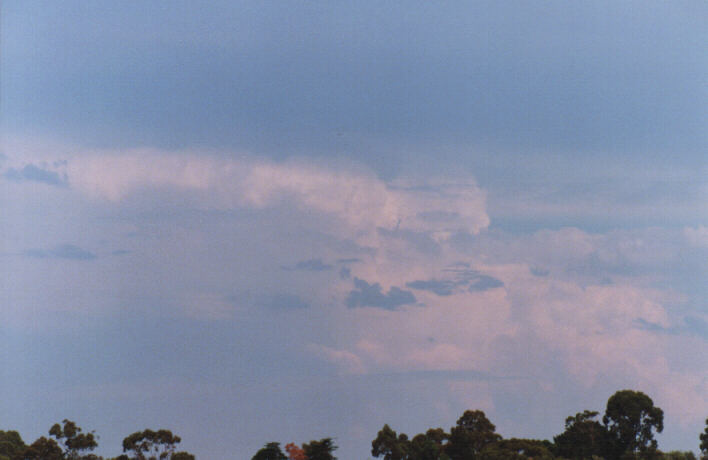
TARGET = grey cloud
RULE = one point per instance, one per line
(345, 273)
(32, 173)
(120, 252)
(539, 271)
(65, 251)
(485, 282)
(692, 326)
(312, 265)
(439, 287)
(348, 261)
(462, 277)
(371, 295)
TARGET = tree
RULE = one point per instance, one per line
(583, 438)
(429, 446)
(11, 445)
(75, 442)
(704, 442)
(517, 449)
(270, 451)
(471, 434)
(42, 449)
(154, 445)
(295, 452)
(631, 418)
(390, 445)
(320, 450)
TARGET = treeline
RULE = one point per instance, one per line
(67, 441)
(625, 432)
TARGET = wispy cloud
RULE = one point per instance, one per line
(64, 251)
(311, 265)
(34, 173)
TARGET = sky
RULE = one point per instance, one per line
(250, 221)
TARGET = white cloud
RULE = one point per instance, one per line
(359, 201)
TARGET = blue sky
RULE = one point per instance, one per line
(249, 222)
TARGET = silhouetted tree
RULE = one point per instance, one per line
(390, 445)
(154, 445)
(320, 450)
(704, 442)
(471, 434)
(631, 418)
(583, 438)
(270, 451)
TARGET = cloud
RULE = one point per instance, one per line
(312, 265)
(65, 251)
(282, 301)
(33, 173)
(698, 236)
(484, 282)
(359, 201)
(462, 278)
(371, 295)
(439, 287)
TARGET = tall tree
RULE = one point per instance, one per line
(631, 419)
(583, 438)
(76, 443)
(390, 445)
(471, 434)
(704, 442)
(43, 449)
(429, 446)
(270, 451)
(154, 445)
(320, 450)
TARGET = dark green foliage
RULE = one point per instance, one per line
(429, 446)
(182, 456)
(631, 418)
(471, 434)
(516, 449)
(270, 451)
(75, 442)
(43, 449)
(11, 445)
(704, 442)
(583, 438)
(320, 450)
(153, 445)
(390, 445)
(678, 455)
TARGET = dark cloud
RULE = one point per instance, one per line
(345, 273)
(32, 173)
(472, 280)
(371, 295)
(312, 265)
(439, 287)
(65, 251)
(348, 261)
(484, 282)
(538, 271)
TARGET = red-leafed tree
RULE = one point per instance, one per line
(295, 452)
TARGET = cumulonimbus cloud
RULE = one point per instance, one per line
(359, 200)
